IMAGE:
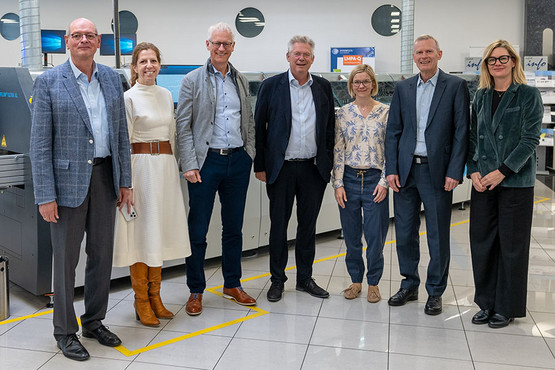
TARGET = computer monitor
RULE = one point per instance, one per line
(170, 77)
(52, 41)
(126, 44)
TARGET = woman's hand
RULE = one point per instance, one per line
(379, 193)
(492, 179)
(341, 196)
(477, 182)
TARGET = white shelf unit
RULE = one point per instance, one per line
(547, 90)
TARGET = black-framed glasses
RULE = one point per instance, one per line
(503, 59)
(357, 83)
(217, 44)
(76, 36)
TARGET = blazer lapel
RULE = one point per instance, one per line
(438, 92)
(284, 93)
(412, 101)
(317, 103)
(505, 100)
(70, 82)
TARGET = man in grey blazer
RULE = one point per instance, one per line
(80, 161)
(215, 135)
(425, 152)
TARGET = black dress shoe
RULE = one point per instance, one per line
(403, 296)
(499, 321)
(72, 348)
(103, 335)
(275, 292)
(311, 288)
(433, 305)
(482, 317)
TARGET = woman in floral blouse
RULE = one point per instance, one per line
(359, 180)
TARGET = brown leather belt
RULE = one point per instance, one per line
(152, 147)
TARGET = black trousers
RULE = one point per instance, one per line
(96, 215)
(301, 180)
(500, 229)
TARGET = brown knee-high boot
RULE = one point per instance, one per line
(139, 282)
(155, 279)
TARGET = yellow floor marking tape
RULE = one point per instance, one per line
(26, 317)
(213, 290)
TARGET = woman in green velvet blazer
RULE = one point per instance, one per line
(504, 133)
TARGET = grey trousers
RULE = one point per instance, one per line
(96, 217)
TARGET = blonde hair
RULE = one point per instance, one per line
(427, 37)
(362, 68)
(135, 58)
(486, 80)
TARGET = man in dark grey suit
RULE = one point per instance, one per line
(426, 146)
(295, 123)
(81, 169)
(215, 132)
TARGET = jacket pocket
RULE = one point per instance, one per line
(513, 109)
(62, 164)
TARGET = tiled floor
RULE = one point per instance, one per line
(302, 332)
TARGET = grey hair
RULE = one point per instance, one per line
(301, 39)
(73, 21)
(427, 37)
(222, 27)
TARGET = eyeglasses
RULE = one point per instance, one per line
(357, 83)
(79, 36)
(503, 59)
(298, 54)
(217, 44)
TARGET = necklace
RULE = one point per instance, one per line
(365, 109)
(500, 93)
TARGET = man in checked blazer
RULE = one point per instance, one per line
(80, 160)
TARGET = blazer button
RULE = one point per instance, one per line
(89, 161)
(500, 137)
(207, 143)
(481, 136)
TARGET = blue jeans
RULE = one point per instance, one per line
(360, 214)
(229, 176)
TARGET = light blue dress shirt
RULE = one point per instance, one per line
(96, 109)
(424, 95)
(227, 124)
(302, 139)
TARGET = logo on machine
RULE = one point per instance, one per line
(352, 60)
(7, 94)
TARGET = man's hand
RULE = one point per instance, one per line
(125, 198)
(450, 184)
(477, 182)
(492, 179)
(393, 181)
(340, 196)
(261, 176)
(49, 212)
(192, 176)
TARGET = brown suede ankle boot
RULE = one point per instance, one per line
(139, 282)
(155, 280)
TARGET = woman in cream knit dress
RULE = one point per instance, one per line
(159, 232)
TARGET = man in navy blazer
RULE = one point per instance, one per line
(294, 125)
(80, 161)
(426, 146)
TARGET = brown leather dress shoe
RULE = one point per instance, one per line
(239, 296)
(194, 304)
